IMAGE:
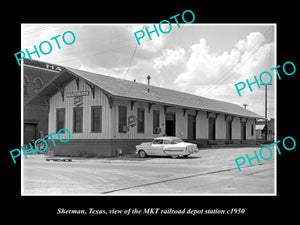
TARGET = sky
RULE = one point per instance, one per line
(201, 59)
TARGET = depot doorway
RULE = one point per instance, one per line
(30, 130)
(170, 124)
(243, 131)
(191, 127)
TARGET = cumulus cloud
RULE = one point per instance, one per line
(213, 74)
(206, 71)
(204, 67)
(253, 40)
(169, 57)
(155, 44)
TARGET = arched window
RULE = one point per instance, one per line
(38, 84)
(25, 86)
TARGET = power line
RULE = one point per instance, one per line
(131, 58)
(130, 61)
(229, 72)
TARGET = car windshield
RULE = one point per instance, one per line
(175, 141)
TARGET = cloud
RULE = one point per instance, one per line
(205, 67)
(155, 44)
(206, 71)
(253, 40)
(213, 74)
(256, 61)
(118, 72)
(169, 57)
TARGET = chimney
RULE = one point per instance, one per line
(245, 106)
(148, 77)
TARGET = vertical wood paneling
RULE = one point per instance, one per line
(110, 118)
(202, 125)
(220, 127)
(248, 129)
(132, 133)
(236, 128)
(88, 101)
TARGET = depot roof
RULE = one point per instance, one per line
(121, 88)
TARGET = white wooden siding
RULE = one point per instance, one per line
(220, 126)
(110, 120)
(88, 101)
(148, 126)
(236, 128)
(248, 129)
(202, 125)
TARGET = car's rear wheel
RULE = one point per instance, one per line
(142, 154)
(174, 156)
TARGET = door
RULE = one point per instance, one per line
(191, 127)
(212, 129)
(156, 147)
(243, 131)
(170, 124)
(29, 132)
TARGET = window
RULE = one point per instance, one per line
(60, 119)
(25, 85)
(96, 119)
(156, 122)
(140, 120)
(77, 119)
(122, 118)
(252, 129)
(176, 141)
(157, 141)
(38, 84)
(166, 141)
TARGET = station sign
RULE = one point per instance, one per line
(77, 94)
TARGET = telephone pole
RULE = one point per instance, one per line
(266, 110)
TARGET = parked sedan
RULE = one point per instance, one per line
(170, 146)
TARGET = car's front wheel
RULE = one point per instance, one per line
(142, 154)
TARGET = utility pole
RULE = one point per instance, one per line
(266, 110)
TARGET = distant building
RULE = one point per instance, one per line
(259, 128)
(36, 74)
(262, 130)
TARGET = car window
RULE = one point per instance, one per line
(167, 141)
(157, 141)
(175, 141)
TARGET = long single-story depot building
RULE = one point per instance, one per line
(106, 114)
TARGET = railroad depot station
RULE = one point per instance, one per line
(105, 114)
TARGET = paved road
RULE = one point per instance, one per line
(211, 171)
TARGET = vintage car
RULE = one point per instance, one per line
(166, 146)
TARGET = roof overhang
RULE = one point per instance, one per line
(51, 88)
(66, 76)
